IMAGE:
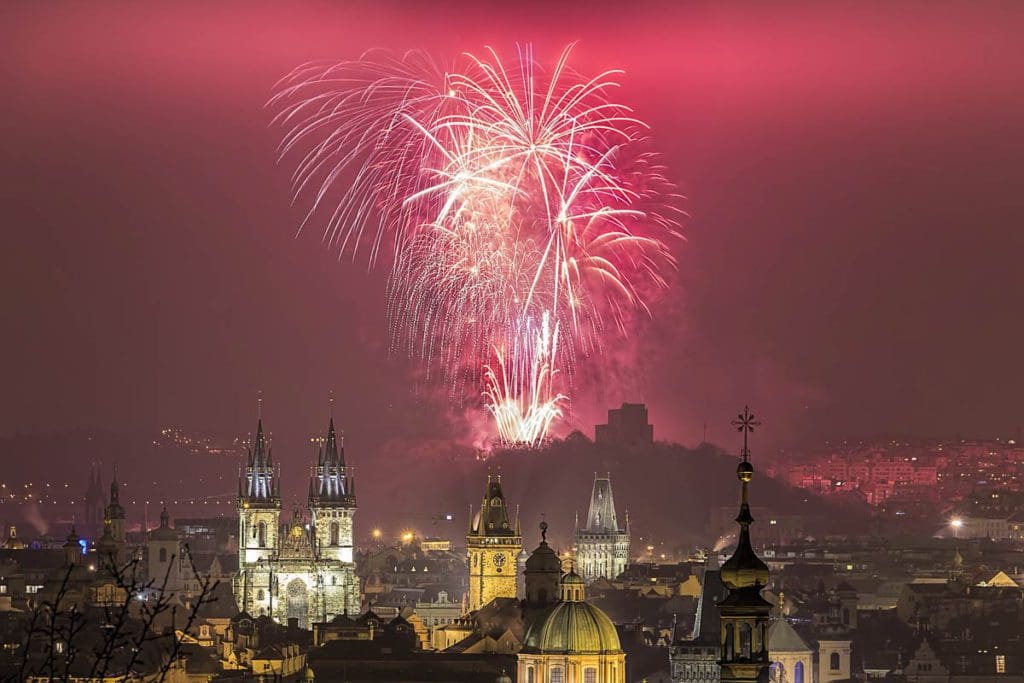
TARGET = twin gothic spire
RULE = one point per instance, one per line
(331, 481)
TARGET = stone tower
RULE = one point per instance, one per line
(115, 532)
(744, 614)
(259, 513)
(493, 544)
(332, 501)
(164, 555)
(332, 508)
(602, 546)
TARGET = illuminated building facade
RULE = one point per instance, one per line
(602, 547)
(493, 545)
(301, 569)
(568, 639)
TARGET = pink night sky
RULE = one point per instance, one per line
(852, 174)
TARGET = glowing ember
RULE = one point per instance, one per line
(517, 204)
(522, 398)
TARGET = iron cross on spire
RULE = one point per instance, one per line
(745, 423)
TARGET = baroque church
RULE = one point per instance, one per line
(299, 568)
(601, 547)
(730, 639)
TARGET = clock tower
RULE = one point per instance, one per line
(493, 544)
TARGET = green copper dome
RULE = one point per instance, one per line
(572, 628)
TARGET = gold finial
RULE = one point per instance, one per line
(745, 423)
(259, 404)
(330, 400)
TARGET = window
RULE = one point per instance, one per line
(846, 616)
(745, 640)
(263, 535)
(557, 675)
(590, 675)
(798, 673)
(1000, 664)
(259, 594)
(529, 675)
(334, 533)
(163, 554)
(833, 661)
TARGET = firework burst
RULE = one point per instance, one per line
(524, 217)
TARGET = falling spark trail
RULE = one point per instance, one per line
(525, 217)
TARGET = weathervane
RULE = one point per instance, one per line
(745, 423)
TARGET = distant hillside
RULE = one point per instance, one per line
(669, 490)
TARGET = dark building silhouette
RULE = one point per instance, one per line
(627, 426)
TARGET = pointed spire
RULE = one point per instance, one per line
(258, 457)
(745, 569)
(165, 518)
(114, 487)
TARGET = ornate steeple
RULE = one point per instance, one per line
(114, 509)
(744, 613)
(493, 519)
(602, 517)
(331, 481)
(259, 483)
(602, 546)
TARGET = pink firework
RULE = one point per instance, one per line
(525, 218)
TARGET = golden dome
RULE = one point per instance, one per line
(572, 628)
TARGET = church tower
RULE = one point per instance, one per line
(493, 544)
(743, 612)
(332, 507)
(259, 513)
(332, 500)
(164, 555)
(115, 534)
(602, 547)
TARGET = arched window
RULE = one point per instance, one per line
(259, 594)
(163, 554)
(262, 535)
(334, 533)
(798, 673)
(557, 675)
(529, 675)
(590, 675)
(745, 638)
(833, 661)
(729, 650)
